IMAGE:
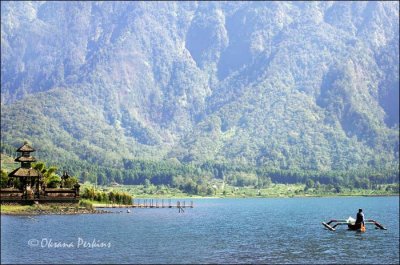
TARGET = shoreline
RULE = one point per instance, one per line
(268, 197)
(272, 191)
(52, 209)
(47, 209)
(108, 205)
(50, 213)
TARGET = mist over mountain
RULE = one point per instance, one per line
(287, 85)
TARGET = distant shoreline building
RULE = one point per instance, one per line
(26, 184)
(29, 177)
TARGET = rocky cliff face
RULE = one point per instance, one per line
(289, 85)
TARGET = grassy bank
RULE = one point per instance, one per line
(84, 207)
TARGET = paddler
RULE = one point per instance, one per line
(360, 223)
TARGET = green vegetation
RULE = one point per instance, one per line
(237, 98)
(4, 178)
(50, 177)
(307, 97)
(54, 208)
(273, 190)
(14, 209)
(114, 197)
(7, 163)
(149, 191)
(87, 204)
(141, 178)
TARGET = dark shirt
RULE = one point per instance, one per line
(360, 218)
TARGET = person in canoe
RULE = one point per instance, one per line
(360, 221)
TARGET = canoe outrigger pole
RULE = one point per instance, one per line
(350, 222)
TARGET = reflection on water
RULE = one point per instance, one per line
(215, 231)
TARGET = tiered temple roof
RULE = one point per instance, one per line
(26, 148)
(25, 159)
(24, 172)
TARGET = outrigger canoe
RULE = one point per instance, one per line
(351, 224)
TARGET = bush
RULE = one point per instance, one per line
(54, 181)
(245, 179)
(210, 191)
(111, 197)
(4, 178)
(70, 182)
(86, 204)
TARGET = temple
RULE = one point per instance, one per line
(27, 184)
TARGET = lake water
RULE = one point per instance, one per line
(286, 230)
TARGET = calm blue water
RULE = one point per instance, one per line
(215, 231)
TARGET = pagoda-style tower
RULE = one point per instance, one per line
(29, 177)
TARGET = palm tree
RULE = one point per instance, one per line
(49, 174)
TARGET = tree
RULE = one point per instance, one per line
(84, 176)
(101, 179)
(309, 184)
(317, 185)
(267, 182)
(40, 166)
(118, 177)
(4, 178)
(70, 182)
(53, 182)
(147, 183)
(211, 191)
(190, 187)
(47, 173)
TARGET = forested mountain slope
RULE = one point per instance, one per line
(285, 85)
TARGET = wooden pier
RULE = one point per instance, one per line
(149, 203)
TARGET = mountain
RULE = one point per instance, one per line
(285, 85)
